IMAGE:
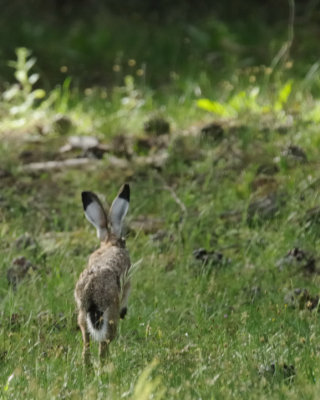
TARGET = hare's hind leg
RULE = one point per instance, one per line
(113, 317)
(85, 336)
(103, 350)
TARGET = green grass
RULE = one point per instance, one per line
(193, 331)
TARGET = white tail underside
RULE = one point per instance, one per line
(99, 335)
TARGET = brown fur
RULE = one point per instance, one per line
(100, 283)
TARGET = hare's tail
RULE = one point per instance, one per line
(97, 323)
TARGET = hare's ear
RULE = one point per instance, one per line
(94, 213)
(119, 209)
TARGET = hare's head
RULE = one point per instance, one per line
(107, 225)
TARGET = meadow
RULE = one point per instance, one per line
(221, 150)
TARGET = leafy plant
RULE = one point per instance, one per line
(248, 101)
(22, 96)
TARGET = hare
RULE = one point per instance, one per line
(103, 288)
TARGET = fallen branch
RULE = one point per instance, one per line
(52, 165)
(156, 161)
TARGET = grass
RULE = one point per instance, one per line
(194, 330)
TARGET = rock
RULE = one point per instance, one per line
(207, 257)
(157, 125)
(266, 370)
(301, 299)
(298, 259)
(212, 132)
(19, 269)
(284, 370)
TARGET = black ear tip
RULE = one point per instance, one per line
(125, 192)
(86, 199)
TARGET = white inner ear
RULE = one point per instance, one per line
(96, 216)
(118, 211)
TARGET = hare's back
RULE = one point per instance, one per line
(99, 286)
(110, 257)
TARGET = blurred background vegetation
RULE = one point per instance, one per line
(98, 42)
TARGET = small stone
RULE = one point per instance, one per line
(306, 300)
(285, 370)
(301, 299)
(267, 369)
(298, 259)
(207, 257)
(200, 254)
